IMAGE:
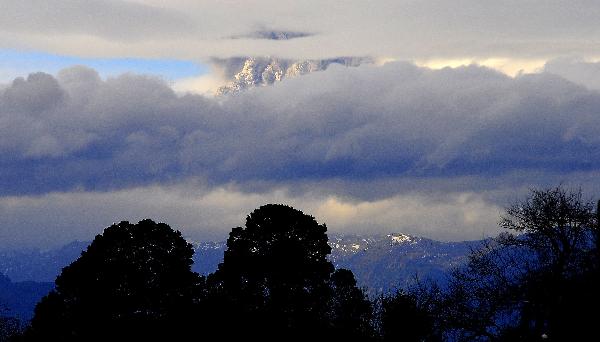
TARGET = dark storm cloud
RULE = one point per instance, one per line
(352, 125)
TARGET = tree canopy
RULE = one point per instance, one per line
(133, 281)
(534, 281)
(276, 281)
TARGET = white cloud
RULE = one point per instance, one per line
(205, 85)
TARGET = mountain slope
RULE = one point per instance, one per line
(394, 261)
(36, 265)
(245, 73)
(18, 299)
(379, 262)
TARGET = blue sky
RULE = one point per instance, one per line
(15, 63)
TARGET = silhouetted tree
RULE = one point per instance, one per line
(134, 282)
(403, 319)
(351, 313)
(529, 282)
(558, 229)
(275, 281)
(10, 327)
(555, 225)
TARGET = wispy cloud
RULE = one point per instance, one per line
(413, 30)
(273, 35)
(202, 213)
(106, 19)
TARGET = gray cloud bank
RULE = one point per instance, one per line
(54, 219)
(362, 124)
(361, 148)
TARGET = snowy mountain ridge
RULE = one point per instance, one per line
(379, 262)
(263, 71)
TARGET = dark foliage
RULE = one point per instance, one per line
(533, 282)
(351, 314)
(402, 318)
(10, 327)
(132, 283)
(275, 282)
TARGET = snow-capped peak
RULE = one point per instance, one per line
(400, 238)
(257, 71)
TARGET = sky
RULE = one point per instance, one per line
(106, 114)
(18, 63)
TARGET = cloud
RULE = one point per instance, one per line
(107, 19)
(576, 69)
(366, 124)
(413, 30)
(366, 149)
(273, 35)
(201, 213)
(205, 85)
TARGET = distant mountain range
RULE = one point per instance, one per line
(36, 265)
(18, 299)
(381, 263)
(387, 262)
